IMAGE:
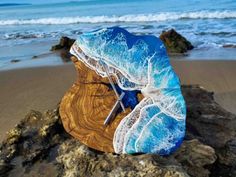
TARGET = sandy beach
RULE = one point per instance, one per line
(22, 90)
(42, 88)
(216, 76)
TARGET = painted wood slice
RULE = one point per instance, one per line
(86, 105)
(139, 64)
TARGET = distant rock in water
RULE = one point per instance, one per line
(40, 142)
(15, 61)
(175, 43)
(35, 56)
(65, 43)
(64, 47)
(229, 46)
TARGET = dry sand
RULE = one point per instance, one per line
(216, 76)
(42, 88)
(36, 88)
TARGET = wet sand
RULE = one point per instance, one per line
(42, 88)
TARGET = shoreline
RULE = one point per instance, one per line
(41, 88)
(37, 54)
(52, 59)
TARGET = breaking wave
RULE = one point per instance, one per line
(165, 16)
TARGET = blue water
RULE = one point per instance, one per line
(208, 24)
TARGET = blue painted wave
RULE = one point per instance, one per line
(157, 123)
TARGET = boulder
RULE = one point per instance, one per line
(212, 125)
(39, 142)
(229, 46)
(194, 155)
(63, 47)
(175, 43)
(65, 43)
(15, 61)
(207, 120)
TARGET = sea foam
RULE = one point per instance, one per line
(165, 16)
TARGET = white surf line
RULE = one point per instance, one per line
(125, 125)
(144, 128)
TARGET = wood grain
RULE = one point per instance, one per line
(86, 105)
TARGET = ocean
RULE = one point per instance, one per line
(208, 24)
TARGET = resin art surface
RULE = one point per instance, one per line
(156, 124)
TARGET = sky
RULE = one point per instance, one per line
(35, 1)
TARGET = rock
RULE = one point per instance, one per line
(89, 163)
(65, 55)
(15, 61)
(4, 168)
(63, 47)
(40, 142)
(207, 120)
(212, 125)
(229, 46)
(32, 140)
(194, 155)
(65, 43)
(175, 43)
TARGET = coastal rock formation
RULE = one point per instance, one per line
(214, 126)
(65, 43)
(64, 47)
(139, 165)
(174, 42)
(209, 117)
(39, 142)
(229, 46)
(15, 61)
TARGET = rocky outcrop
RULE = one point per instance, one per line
(207, 120)
(229, 46)
(91, 163)
(175, 43)
(65, 43)
(63, 47)
(15, 61)
(32, 144)
(40, 142)
(214, 126)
